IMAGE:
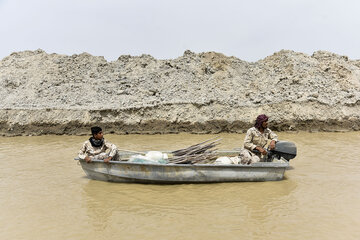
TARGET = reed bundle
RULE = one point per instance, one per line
(203, 152)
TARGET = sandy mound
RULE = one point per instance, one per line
(200, 93)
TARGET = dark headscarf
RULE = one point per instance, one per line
(96, 142)
(260, 119)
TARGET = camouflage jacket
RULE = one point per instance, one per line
(88, 150)
(255, 138)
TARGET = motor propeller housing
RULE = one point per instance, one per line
(283, 149)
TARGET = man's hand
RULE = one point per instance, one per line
(87, 159)
(261, 150)
(107, 160)
(272, 145)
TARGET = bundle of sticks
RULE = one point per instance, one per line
(203, 152)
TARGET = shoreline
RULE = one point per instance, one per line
(78, 122)
(59, 131)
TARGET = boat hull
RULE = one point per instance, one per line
(182, 173)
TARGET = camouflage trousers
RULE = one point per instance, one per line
(248, 157)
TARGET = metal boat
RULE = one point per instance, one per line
(130, 172)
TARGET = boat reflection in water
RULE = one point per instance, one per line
(123, 207)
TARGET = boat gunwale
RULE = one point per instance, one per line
(253, 165)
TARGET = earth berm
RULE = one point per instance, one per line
(198, 93)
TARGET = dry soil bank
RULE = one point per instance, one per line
(199, 93)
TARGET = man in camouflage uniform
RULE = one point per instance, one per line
(256, 139)
(96, 148)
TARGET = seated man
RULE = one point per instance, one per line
(255, 141)
(95, 148)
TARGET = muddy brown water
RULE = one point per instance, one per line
(45, 194)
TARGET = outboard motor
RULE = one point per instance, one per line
(283, 149)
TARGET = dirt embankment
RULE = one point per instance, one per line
(199, 93)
